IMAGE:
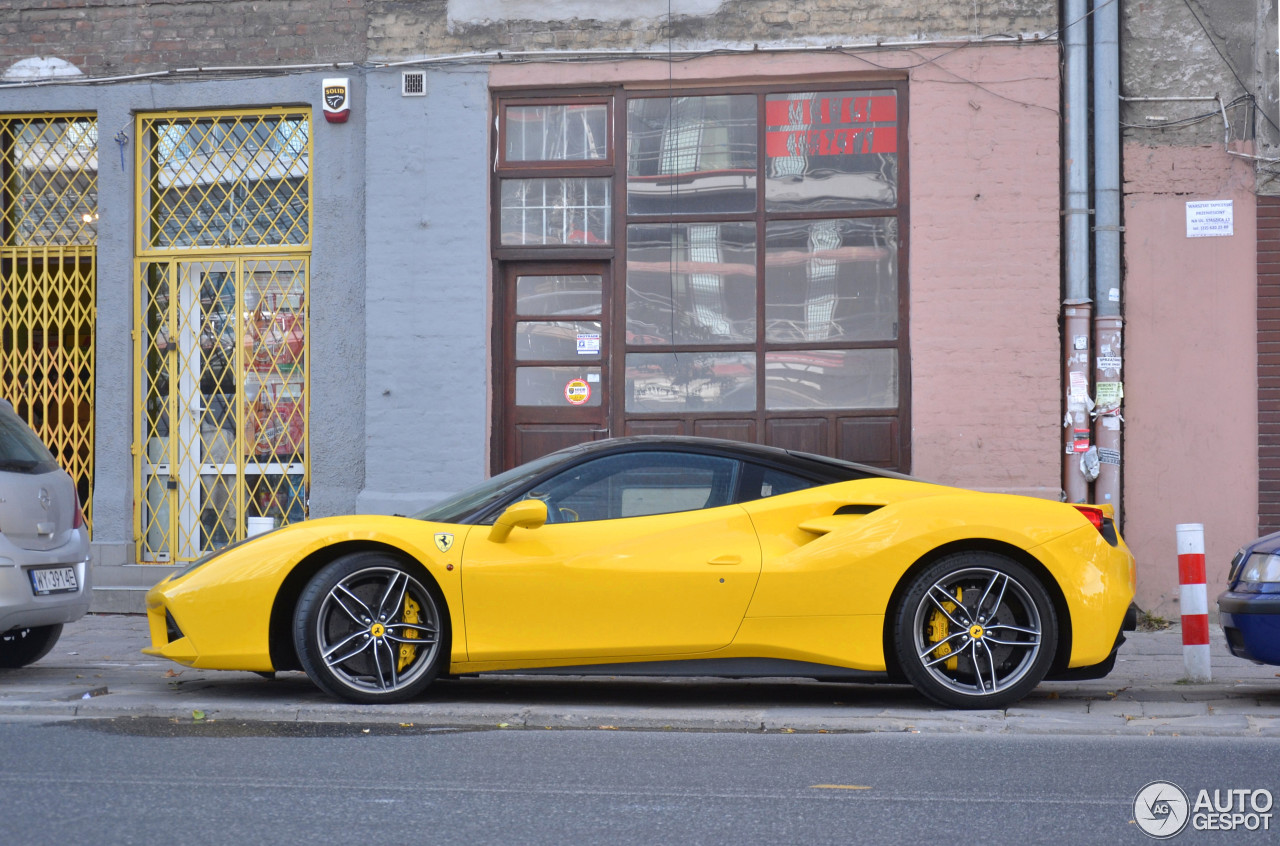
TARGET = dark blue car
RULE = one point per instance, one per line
(1249, 608)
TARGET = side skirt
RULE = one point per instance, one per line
(734, 668)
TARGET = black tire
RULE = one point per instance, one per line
(21, 647)
(359, 612)
(986, 648)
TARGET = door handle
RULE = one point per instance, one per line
(726, 559)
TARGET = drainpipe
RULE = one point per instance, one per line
(1108, 323)
(1076, 305)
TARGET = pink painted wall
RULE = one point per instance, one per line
(985, 271)
(1190, 366)
(983, 244)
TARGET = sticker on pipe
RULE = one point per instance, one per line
(577, 392)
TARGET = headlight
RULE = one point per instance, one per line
(1261, 568)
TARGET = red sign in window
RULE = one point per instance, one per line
(831, 126)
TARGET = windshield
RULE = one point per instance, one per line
(460, 506)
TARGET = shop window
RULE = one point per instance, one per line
(691, 283)
(556, 211)
(691, 155)
(831, 151)
(557, 133)
(831, 280)
(755, 261)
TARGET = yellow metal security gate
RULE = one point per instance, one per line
(48, 237)
(222, 328)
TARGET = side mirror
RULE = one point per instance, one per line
(525, 514)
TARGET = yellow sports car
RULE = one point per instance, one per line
(671, 556)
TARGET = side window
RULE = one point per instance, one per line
(759, 482)
(637, 485)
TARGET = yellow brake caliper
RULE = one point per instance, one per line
(939, 628)
(407, 652)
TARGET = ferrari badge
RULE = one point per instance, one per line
(444, 541)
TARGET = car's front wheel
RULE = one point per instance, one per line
(21, 647)
(975, 630)
(371, 628)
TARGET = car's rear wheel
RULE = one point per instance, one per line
(371, 628)
(975, 630)
(21, 647)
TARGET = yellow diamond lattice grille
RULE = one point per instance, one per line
(50, 180)
(48, 231)
(223, 383)
(226, 180)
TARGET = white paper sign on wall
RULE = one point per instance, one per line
(1210, 219)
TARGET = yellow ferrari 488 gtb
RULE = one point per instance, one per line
(671, 556)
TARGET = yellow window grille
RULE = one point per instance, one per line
(222, 328)
(48, 281)
(239, 179)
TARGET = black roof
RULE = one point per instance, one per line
(834, 468)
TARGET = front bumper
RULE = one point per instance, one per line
(1251, 623)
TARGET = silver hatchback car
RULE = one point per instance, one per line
(45, 577)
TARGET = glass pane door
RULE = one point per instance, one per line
(224, 401)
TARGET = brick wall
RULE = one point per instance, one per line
(1268, 365)
(112, 37)
(399, 28)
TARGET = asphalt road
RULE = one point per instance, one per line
(153, 781)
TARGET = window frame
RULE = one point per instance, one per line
(619, 98)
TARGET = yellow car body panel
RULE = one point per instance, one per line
(784, 577)
(586, 591)
(223, 607)
(818, 563)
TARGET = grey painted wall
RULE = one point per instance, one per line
(427, 288)
(337, 283)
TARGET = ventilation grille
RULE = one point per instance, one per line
(413, 84)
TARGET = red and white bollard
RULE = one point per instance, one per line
(1195, 601)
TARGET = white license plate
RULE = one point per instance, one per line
(54, 580)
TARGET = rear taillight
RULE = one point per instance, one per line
(1093, 515)
(78, 520)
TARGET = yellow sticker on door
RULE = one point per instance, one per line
(577, 391)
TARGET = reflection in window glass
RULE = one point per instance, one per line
(691, 283)
(555, 211)
(290, 136)
(816, 379)
(638, 485)
(674, 383)
(554, 296)
(829, 151)
(563, 387)
(557, 133)
(691, 155)
(547, 341)
(831, 280)
(759, 482)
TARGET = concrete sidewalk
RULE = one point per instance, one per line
(97, 671)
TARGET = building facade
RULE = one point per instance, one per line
(264, 264)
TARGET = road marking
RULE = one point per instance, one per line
(840, 786)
